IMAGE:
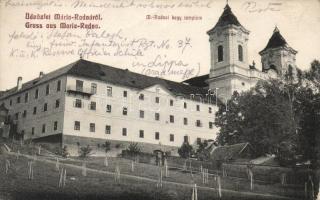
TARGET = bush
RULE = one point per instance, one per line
(202, 153)
(85, 151)
(64, 152)
(186, 150)
(133, 149)
(287, 154)
(107, 146)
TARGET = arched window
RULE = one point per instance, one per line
(240, 53)
(220, 53)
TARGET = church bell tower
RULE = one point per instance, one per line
(278, 55)
(229, 69)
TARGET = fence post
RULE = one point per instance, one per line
(190, 166)
(202, 176)
(312, 187)
(132, 166)
(60, 178)
(219, 187)
(117, 174)
(106, 161)
(159, 183)
(194, 192)
(223, 172)
(64, 177)
(283, 179)
(251, 179)
(84, 169)
(39, 150)
(57, 164)
(305, 190)
(207, 176)
(30, 171)
(185, 165)
(7, 165)
(166, 168)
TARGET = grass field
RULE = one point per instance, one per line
(140, 184)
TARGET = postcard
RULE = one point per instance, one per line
(159, 99)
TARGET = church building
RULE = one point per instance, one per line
(230, 69)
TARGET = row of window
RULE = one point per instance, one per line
(92, 128)
(93, 106)
(79, 87)
(36, 93)
(43, 128)
(220, 53)
(44, 109)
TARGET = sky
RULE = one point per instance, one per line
(298, 22)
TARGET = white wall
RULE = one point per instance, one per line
(49, 117)
(132, 121)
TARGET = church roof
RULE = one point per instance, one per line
(116, 76)
(198, 81)
(276, 40)
(227, 18)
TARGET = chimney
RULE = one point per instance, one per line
(41, 75)
(19, 83)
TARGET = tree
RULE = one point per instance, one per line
(309, 107)
(260, 117)
(279, 116)
(133, 149)
(313, 74)
(85, 151)
(107, 146)
(64, 151)
(201, 152)
(185, 150)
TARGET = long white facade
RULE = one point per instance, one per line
(158, 118)
(79, 107)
